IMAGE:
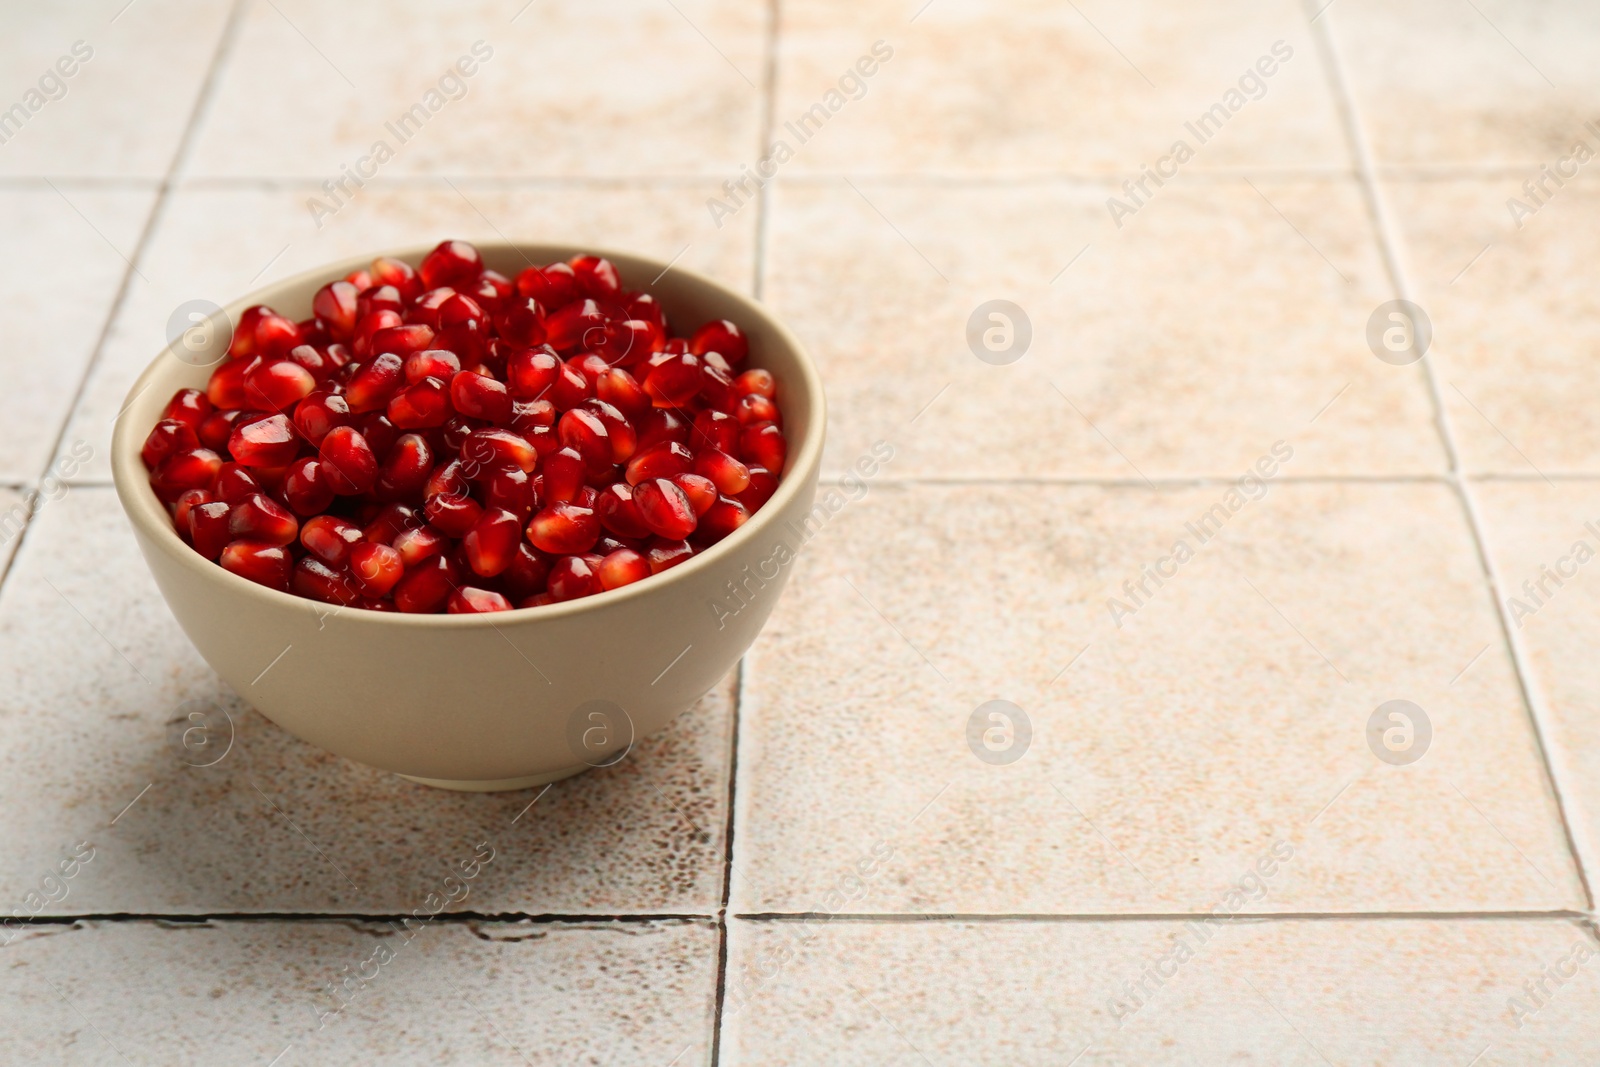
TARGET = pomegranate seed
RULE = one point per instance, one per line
(427, 586)
(619, 389)
(265, 442)
(330, 538)
(570, 388)
(398, 273)
(510, 490)
(431, 363)
(315, 363)
(665, 509)
(659, 424)
(259, 518)
(208, 528)
(581, 430)
(596, 277)
(226, 387)
(722, 337)
(243, 343)
(316, 580)
(753, 408)
(368, 325)
(528, 572)
(405, 470)
(720, 520)
(564, 529)
(480, 397)
(453, 513)
(646, 307)
(305, 487)
(379, 298)
(361, 279)
(528, 415)
(726, 473)
(619, 431)
(622, 567)
(491, 449)
(386, 525)
(758, 382)
(335, 305)
(418, 544)
(573, 577)
(218, 427)
(521, 323)
(265, 564)
(278, 385)
(618, 513)
(717, 430)
(381, 434)
(461, 311)
(491, 544)
(376, 568)
(666, 459)
(349, 464)
(377, 380)
(702, 493)
(763, 483)
(664, 554)
(187, 501)
(425, 309)
(188, 406)
(233, 483)
(553, 286)
(469, 600)
(674, 382)
(764, 446)
(401, 341)
(531, 371)
(451, 263)
(421, 405)
(320, 412)
(575, 327)
(562, 472)
(169, 436)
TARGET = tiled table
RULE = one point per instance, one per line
(1193, 854)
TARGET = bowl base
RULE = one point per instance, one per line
(497, 785)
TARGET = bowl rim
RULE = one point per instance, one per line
(139, 502)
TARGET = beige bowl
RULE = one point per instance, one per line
(506, 700)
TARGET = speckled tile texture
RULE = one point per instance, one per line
(1185, 664)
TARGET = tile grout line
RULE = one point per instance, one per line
(757, 288)
(152, 220)
(1554, 762)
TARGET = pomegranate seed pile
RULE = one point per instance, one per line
(445, 438)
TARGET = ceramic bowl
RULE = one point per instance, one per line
(497, 701)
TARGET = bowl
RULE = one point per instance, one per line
(506, 700)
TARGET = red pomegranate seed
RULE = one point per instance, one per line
(665, 509)
(361, 279)
(169, 436)
(431, 363)
(674, 382)
(726, 473)
(510, 490)
(260, 518)
(226, 387)
(619, 389)
(618, 513)
(758, 382)
(451, 263)
(418, 544)
(233, 483)
(330, 538)
(721, 519)
(453, 514)
(369, 325)
(570, 388)
(425, 309)
(623, 567)
(351, 467)
(265, 564)
(275, 334)
(278, 385)
(564, 529)
(376, 568)
(491, 544)
(398, 273)
(573, 577)
(187, 501)
(469, 600)
(243, 343)
(553, 286)
(427, 586)
(335, 305)
(619, 431)
(381, 434)
(315, 363)
(723, 337)
(265, 442)
(530, 372)
(320, 412)
(480, 397)
(316, 580)
(763, 445)
(520, 323)
(379, 298)
(716, 429)
(401, 341)
(752, 409)
(596, 277)
(492, 289)
(646, 307)
(666, 459)
(490, 449)
(528, 415)
(763, 483)
(562, 472)
(581, 430)
(305, 487)
(218, 427)
(405, 470)
(188, 406)
(208, 528)
(659, 424)
(702, 493)
(575, 327)
(421, 405)
(664, 554)
(461, 311)
(377, 380)
(528, 572)
(386, 525)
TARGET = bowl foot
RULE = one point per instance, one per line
(498, 785)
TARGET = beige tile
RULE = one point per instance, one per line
(222, 243)
(563, 88)
(1507, 82)
(66, 260)
(1228, 711)
(454, 993)
(15, 509)
(123, 110)
(1394, 992)
(1515, 319)
(1534, 531)
(1046, 88)
(1184, 343)
(96, 686)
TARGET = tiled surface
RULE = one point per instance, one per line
(245, 992)
(981, 911)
